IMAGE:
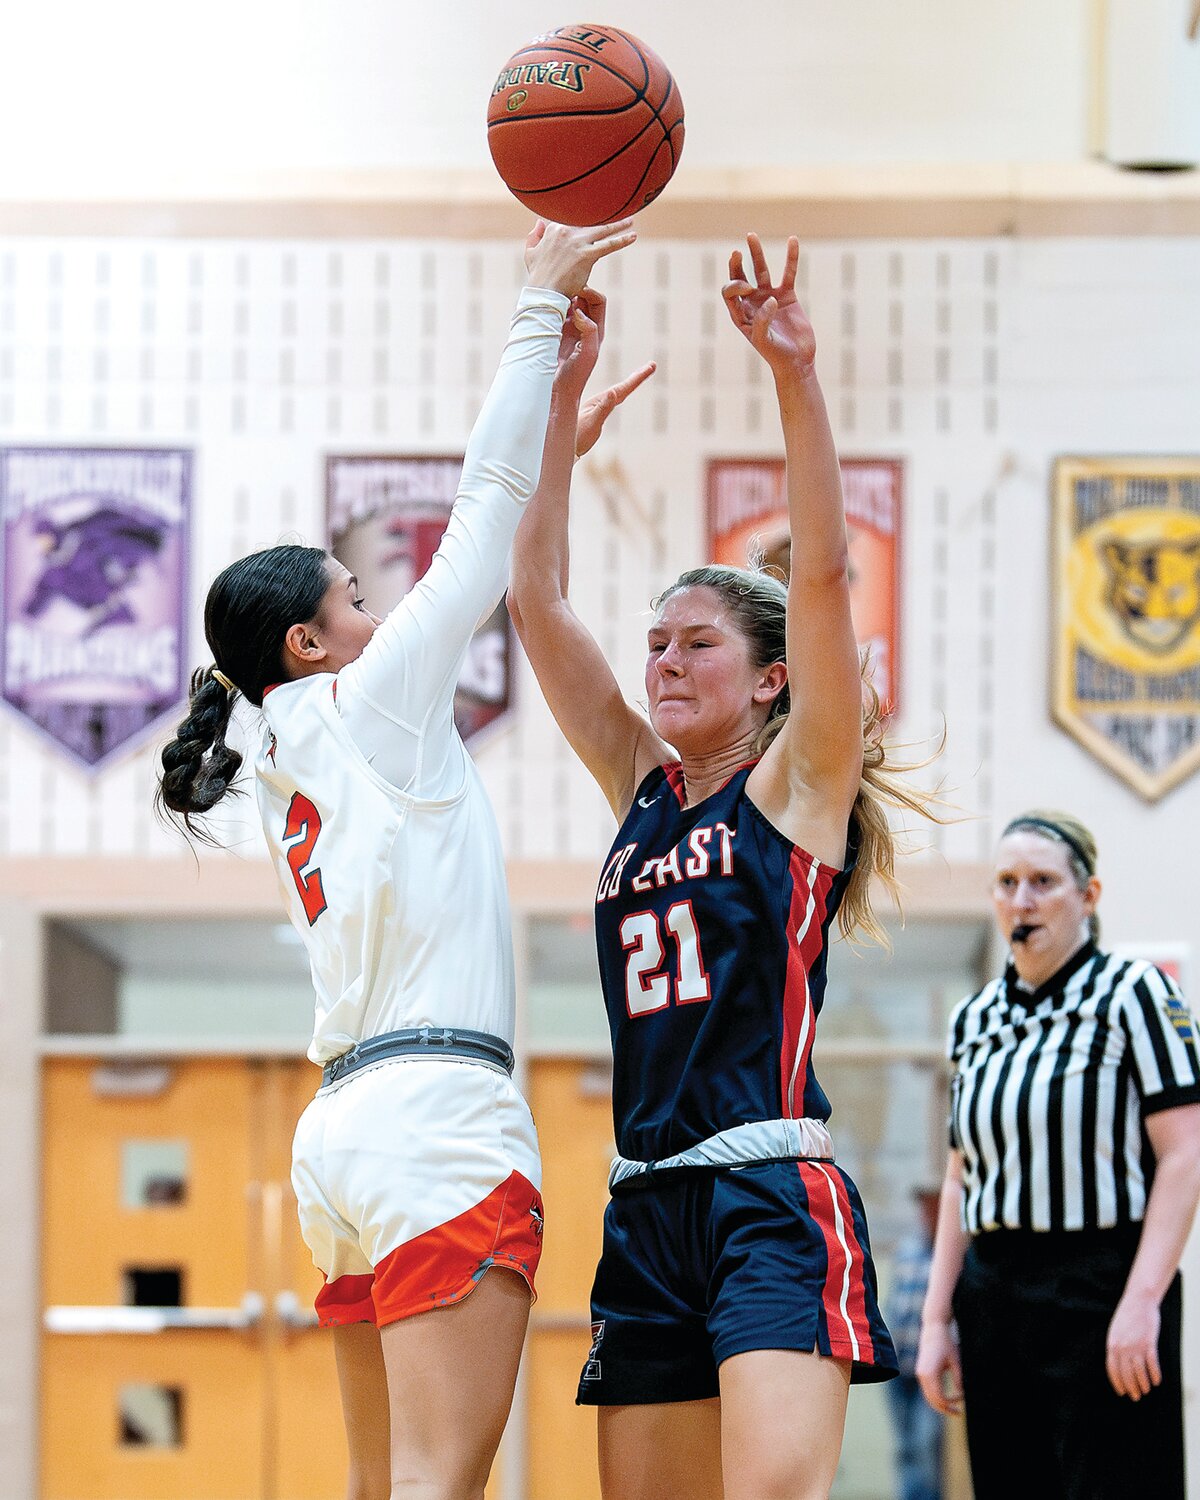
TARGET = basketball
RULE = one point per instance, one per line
(585, 125)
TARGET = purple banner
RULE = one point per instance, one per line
(94, 578)
(386, 518)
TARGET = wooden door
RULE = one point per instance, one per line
(179, 1361)
(167, 1181)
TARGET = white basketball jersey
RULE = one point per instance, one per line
(397, 885)
(402, 903)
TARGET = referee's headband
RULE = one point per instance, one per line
(1044, 825)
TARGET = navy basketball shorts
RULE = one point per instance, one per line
(700, 1265)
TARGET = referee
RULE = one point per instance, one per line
(1073, 1175)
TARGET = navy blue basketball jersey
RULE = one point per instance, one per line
(713, 935)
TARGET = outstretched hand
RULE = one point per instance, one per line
(598, 410)
(768, 315)
(561, 258)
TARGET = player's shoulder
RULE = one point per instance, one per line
(301, 724)
(287, 706)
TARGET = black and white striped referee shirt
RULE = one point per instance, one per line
(1051, 1086)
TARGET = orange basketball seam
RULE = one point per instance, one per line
(555, 187)
(670, 147)
(568, 114)
(655, 114)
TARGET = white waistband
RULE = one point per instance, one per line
(760, 1140)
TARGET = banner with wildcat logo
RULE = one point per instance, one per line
(386, 516)
(1126, 679)
(94, 589)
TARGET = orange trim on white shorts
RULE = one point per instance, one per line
(445, 1264)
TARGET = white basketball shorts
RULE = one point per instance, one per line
(414, 1177)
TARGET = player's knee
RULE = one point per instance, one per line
(790, 1487)
(768, 1481)
(460, 1487)
(453, 1477)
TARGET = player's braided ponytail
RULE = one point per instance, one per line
(198, 766)
(250, 608)
(757, 601)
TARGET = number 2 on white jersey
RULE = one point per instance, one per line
(647, 985)
(303, 825)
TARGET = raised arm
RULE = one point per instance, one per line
(408, 670)
(612, 739)
(810, 774)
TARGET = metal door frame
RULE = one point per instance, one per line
(33, 893)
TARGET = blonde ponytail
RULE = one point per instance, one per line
(883, 786)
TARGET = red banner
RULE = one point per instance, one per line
(747, 516)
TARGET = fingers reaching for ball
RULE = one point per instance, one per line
(534, 237)
(561, 258)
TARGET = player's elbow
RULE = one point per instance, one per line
(831, 571)
(533, 591)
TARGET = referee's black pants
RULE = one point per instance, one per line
(1043, 1422)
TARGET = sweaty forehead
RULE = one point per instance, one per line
(691, 609)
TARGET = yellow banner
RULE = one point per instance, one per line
(1127, 614)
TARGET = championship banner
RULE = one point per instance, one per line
(747, 514)
(1126, 681)
(386, 517)
(95, 583)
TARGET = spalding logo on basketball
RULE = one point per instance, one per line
(585, 125)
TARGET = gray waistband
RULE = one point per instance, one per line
(759, 1141)
(428, 1041)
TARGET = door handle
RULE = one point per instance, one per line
(93, 1319)
(293, 1314)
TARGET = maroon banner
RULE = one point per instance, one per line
(94, 578)
(386, 516)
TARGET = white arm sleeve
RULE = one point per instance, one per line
(397, 698)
